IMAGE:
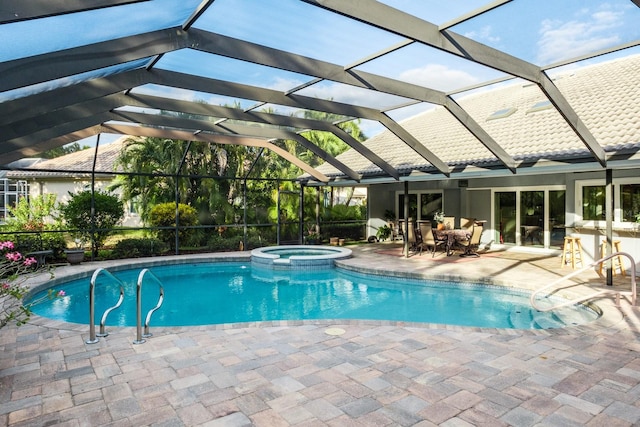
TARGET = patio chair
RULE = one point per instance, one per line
(401, 229)
(471, 246)
(396, 232)
(467, 223)
(415, 241)
(428, 239)
(449, 222)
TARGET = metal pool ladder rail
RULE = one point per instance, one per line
(92, 323)
(139, 335)
(596, 293)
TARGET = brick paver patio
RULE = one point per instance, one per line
(309, 374)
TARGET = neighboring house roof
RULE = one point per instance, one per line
(27, 162)
(78, 164)
(605, 96)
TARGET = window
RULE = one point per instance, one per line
(10, 191)
(413, 206)
(593, 203)
(430, 203)
(630, 202)
(422, 206)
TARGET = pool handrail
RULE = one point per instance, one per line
(139, 335)
(92, 323)
(632, 292)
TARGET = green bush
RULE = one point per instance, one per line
(107, 208)
(260, 236)
(254, 242)
(133, 248)
(343, 212)
(39, 215)
(26, 243)
(164, 215)
(54, 242)
(36, 213)
(217, 243)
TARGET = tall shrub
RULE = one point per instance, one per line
(37, 215)
(164, 215)
(109, 210)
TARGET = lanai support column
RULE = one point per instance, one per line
(301, 215)
(406, 219)
(93, 198)
(278, 214)
(608, 197)
(318, 212)
(177, 191)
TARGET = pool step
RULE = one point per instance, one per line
(528, 319)
(548, 320)
(521, 319)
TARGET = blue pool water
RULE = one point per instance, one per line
(217, 293)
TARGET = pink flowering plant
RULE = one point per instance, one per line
(15, 269)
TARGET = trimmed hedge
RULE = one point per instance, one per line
(135, 248)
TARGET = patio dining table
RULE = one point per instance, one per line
(452, 236)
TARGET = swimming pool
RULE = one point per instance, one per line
(237, 292)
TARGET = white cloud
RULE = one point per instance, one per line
(282, 84)
(352, 95)
(484, 34)
(564, 39)
(439, 77)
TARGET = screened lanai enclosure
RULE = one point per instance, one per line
(267, 83)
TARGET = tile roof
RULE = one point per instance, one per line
(605, 96)
(75, 163)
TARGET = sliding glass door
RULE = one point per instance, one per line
(530, 217)
(557, 213)
(505, 216)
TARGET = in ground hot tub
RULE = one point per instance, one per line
(298, 256)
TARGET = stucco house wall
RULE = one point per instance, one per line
(474, 200)
(61, 176)
(61, 187)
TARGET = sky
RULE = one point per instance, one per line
(538, 31)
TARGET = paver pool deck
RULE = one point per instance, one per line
(308, 374)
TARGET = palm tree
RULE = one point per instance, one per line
(156, 165)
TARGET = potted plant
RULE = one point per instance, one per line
(438, 218)
(75, 255)
(384, 232)
(312, 238)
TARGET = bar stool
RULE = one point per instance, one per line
(616, 262)
(573, 250)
